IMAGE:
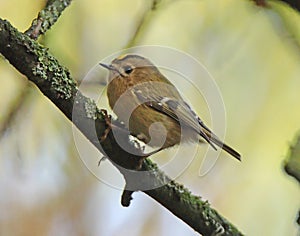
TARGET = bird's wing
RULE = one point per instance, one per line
(177, 110)
(180, 111)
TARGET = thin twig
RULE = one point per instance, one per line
(47, 17)
(143, 23)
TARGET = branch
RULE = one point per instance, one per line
(293, 3)
(39, 26)
(47, 17)
(55, 82)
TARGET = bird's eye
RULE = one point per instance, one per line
(128, 69)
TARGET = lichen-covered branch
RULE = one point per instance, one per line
(52, 10)
(55, 82)
(47, 17)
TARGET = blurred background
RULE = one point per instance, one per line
(253, 54)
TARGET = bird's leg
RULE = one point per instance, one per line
(154, 152)
(108, 128)
(145, 155)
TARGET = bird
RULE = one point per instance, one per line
(152, 108)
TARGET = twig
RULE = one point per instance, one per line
(55, 82)
(126, 197)
(143, 23)
(47, 17)
(293, 3)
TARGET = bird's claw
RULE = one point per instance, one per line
(107, 119)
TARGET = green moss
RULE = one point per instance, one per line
(152, 165)
(60, 80)
(38, 70)
(47, 67)
(48, 16)
(91, 109)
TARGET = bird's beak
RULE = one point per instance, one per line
(105, 66)
(109, 67)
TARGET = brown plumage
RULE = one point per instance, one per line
(151, 106)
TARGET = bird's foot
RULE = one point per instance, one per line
(107, 119)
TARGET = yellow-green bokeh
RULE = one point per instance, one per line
(254, 56)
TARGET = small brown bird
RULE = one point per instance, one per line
(151, 106)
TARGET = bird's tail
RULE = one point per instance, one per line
(213, 139)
